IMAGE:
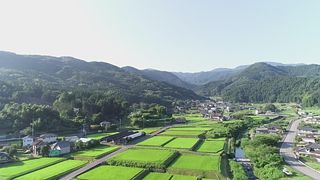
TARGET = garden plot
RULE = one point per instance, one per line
(54, 171)
(12, 170)
(156, 141)
(211, 146)
(182, 143)
(111, 173)
(144, 158)
(190, 128)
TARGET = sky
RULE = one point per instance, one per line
(171, 35)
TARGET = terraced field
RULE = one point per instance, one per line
(156, 141)
(95, 152)
(12, 170)
(111, 173)
(54, 171)
(190, 164)
(182, 143)
(142, 157)
(183, 133)
(211, 146)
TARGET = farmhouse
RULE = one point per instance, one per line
(49, 137)
(60, 148)
(27, 141)
(4, 158)
(37, 145)
(71, 139)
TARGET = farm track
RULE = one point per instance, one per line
(97, 162)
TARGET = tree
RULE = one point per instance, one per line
(270, 107)
(44, 151)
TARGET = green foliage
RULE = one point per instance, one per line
(237, 171)
(270, 107)
(264, 154)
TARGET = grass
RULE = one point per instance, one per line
(182, 143)
(157, 176)
(143, 157)
(54, 171)
(183, 133)
(15, 169)
(296, 175)
(111, 173)
(211, 146)
(96, 152)
(99, 136)
(156, 141)
(217, 139)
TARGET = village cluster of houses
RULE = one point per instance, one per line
(308, 145)
(269, 129)
(215, 110)
(56, 147)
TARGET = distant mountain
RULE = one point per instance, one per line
(162, 76)
(39, 79)
(201, 78)
(262, 82)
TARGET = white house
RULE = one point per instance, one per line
(49, 138)
(71, 139)
(27, 141)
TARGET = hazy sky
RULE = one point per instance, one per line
(174, 35)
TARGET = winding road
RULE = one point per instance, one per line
(97, 162)
(286, 151)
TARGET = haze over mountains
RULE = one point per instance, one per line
(260, 82)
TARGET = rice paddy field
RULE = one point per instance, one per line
(182, 143)
(54, 171)
(190, 128)
(12, 170)
(183, 133)
(156, 141)
(157, 176)
(149, 130)
(199, 162)
(166, 176)
(111, 173)
(211, 146)
(99, 136)
(96, 152)
(191, 117)
(143, 157)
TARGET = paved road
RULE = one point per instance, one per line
(286, 152)
(103, 159)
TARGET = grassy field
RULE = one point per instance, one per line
(157, 176)
(99, 136)
(211, 146)
(15, 169)
(96, 152)
(156, 141)
(183, 133)
(217, 139)
(197, 162)
(111, 173)
(54, 171)
(182, 143)
(142, 157)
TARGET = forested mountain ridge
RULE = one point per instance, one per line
(162, 76)
(262, 82)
